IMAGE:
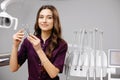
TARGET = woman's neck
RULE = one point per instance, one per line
(45, 35)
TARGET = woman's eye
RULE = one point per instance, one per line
(40, 16)
(50, 17)
(47, 17)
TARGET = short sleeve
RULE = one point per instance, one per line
(59, 58)
(22, 53)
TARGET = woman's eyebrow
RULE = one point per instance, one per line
(46, 15)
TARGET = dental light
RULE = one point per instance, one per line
(6, 20)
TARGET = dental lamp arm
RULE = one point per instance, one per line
(5, 3)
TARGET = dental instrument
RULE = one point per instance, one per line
(89, 50)
(94, 40)
(101, 54)
(83, 52)
(80, 59)
(75, 52)
(26, 28)
(72, 56)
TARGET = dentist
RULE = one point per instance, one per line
(44, 50)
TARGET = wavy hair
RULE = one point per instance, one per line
(56, 31)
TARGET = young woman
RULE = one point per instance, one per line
(44, 50)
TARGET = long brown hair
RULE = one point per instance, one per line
(56, 31)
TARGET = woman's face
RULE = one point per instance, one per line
(45, 20)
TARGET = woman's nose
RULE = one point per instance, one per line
(44, 19)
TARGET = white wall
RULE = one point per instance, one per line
(74, 15)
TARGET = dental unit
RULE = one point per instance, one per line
(85, 60)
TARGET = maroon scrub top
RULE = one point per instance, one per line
(27, 51)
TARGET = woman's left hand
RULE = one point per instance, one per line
(34, 41)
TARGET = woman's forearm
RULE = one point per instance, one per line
(13, 59)
(49, 67)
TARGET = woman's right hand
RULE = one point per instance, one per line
(17, 37)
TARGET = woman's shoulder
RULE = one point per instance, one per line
(62, 42)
